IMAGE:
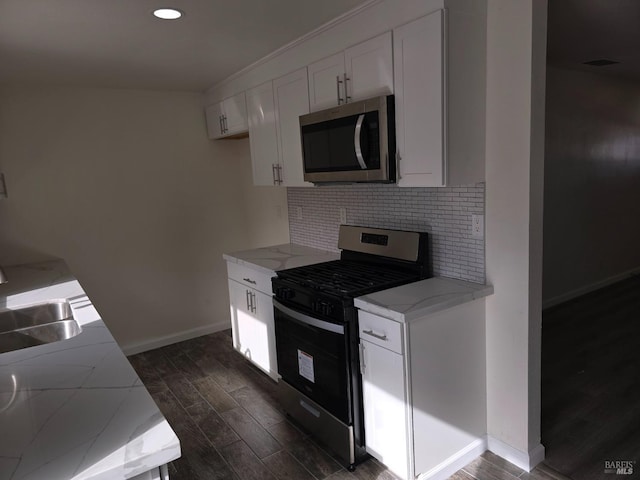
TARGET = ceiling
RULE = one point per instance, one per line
(118, 43)
(583, 30)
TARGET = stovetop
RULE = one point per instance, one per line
(345, 278)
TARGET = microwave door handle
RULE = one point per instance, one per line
(356, 142)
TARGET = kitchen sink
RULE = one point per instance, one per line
(37, 325)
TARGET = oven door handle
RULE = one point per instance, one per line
(307, 320)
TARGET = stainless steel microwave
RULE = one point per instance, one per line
(351, 143)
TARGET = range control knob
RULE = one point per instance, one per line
(324, 308)
(284, 293)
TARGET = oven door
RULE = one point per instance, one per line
(313, 357)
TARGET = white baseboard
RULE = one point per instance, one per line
(525, 460)
(157, 342)
(565, 297)
(455, 462)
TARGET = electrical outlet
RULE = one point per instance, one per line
(477, 226)
(343, 215)
(299, 213)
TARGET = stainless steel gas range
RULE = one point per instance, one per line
(316, 327)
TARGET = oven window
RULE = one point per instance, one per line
(315, 362)
(330, 146)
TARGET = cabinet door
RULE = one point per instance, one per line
(326, 82)
(263, 138)
(385, 407)
(265, 349)
(369, 68)
(253, 327)
(291, 94)
(234, 110)
(213, 114)
(418, 49)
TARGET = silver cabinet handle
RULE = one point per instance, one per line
(279, 168)
(248, 280)
(251, 301)
(356, 142)
(338, 82)
(375, 335)
(273, 173)
(221, 127)
(362, 365)
(347, 97)
(224, 124)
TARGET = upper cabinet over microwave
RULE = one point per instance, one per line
(359, 72)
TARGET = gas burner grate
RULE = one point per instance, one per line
(347, 278)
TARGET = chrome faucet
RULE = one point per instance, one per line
(3, 276)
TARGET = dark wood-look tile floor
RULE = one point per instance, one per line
(231, 427)
(591, 381)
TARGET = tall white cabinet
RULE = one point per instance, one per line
(274, 132)
(291, 96)
(439, 70)
(263, 139)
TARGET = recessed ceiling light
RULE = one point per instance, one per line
(167, 13)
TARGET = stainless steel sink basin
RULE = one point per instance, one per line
(36, 325)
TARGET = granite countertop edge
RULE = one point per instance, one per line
(280, 257)
(74, 409)
(411, 302)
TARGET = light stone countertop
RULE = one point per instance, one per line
(74, 409)
(416, 300)
(280, 257)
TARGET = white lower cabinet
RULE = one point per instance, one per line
(385, 407)
(424, 390)
(252, 322)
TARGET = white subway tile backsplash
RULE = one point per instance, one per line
(445, 213)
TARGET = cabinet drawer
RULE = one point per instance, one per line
(251, 278)
(380, 331)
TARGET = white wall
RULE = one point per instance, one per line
(515, 134)
(126, 187)
(592, 179)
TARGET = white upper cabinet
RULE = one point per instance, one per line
(419, 97)
(263, 138)
(439, 69)
(291, 97)
(326, 82)
(362, 71)
(227, 118)
(369, 67)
